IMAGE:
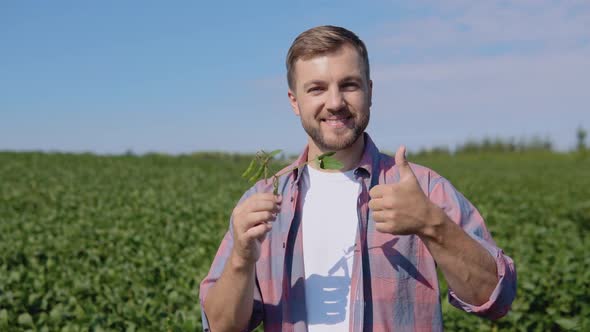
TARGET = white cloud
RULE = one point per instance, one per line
(483, 68)
(497, 80)
(457, 27)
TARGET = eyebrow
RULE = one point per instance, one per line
(355, 78)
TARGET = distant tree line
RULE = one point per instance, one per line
(471, 146)
(581, 136)
(503, 145)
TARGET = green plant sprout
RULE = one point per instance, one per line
(260, 165)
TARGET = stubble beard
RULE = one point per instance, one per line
(344, 142)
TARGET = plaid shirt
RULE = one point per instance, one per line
(394, 283)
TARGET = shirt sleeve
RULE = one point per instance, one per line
(215, 271)
(462, 212)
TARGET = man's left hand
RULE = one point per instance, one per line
(401, 208)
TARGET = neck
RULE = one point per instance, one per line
(349, 157)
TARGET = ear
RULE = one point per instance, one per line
(370, 93)
(293, 101)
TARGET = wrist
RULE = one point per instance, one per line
(435, 224)
(240, 264)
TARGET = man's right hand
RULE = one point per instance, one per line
(252, 219)
(229, 303)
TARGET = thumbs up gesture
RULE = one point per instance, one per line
(401, 208)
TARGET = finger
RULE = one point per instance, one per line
(249, 220)
(256, 197)
(378, 191)
(405, 170)
(259, 231)
(383, 227)
(262, 205)
(266, 197)
(376, 204)
(381, 216)
(255, 218)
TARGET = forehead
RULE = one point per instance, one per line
(345, 61)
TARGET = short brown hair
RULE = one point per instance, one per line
(321, 40)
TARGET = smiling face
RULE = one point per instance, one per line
(332, 96)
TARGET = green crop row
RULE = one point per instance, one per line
(120, 243)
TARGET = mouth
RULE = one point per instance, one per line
(337, 121)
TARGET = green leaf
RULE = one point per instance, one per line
(327, 154)
(257, 175)
(320, 163)
(249, 170)
(25, 319)
(130, 327)
(274, 153)
(275, 185)
(567, 323)
(330, 163)
(3, 317)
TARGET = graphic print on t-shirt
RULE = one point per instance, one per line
(329, 224)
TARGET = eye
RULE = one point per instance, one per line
(314, 89)
(350, 86)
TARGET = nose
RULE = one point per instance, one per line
(335, 100)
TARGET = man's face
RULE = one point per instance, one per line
(332, 96)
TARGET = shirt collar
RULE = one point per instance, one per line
(369, 160)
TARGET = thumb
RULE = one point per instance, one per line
(402, 163)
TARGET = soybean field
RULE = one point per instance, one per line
(120, 243)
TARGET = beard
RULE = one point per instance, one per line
(343, 140)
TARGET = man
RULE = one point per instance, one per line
(354, 249)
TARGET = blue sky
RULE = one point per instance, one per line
(183, 76)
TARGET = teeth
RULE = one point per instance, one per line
(336, 123)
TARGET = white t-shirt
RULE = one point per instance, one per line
(329, 224)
